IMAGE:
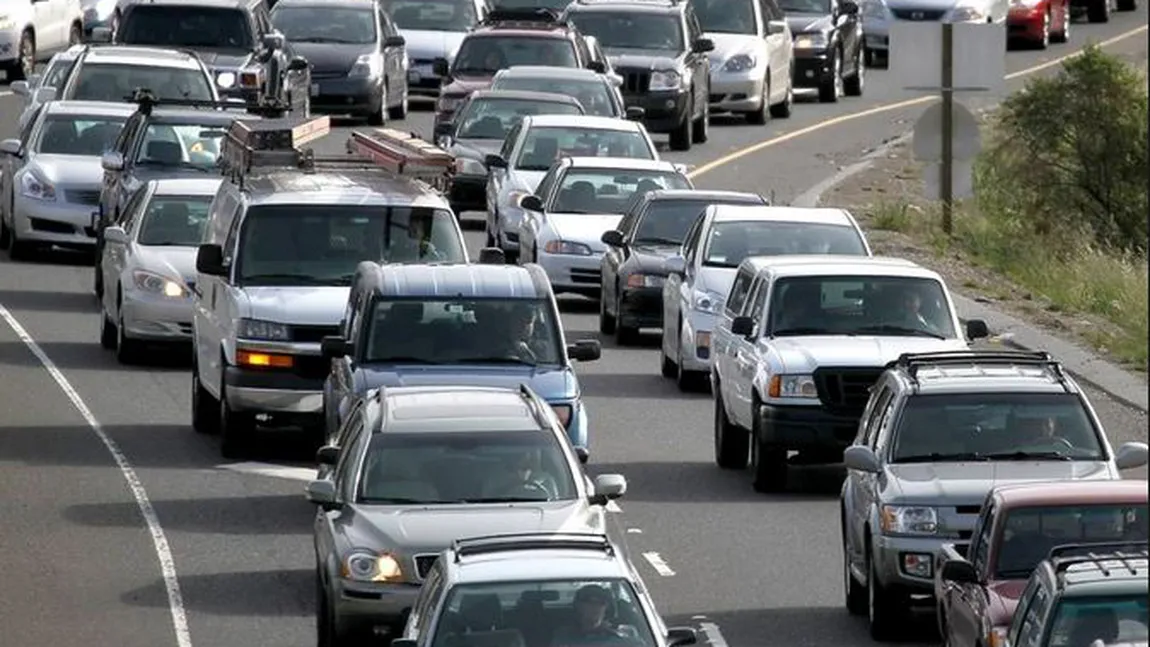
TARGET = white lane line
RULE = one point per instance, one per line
(5, 94)
(714, 636)
(159, 539)
(657, 563)
(635, 531)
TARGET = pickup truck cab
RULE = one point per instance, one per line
(1018, 527)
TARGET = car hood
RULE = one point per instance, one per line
(967, 483)
(642, 59)
(583, 227)
(651, 259)
(805, 23)
(305, 306)
(550, 383)
(429, 45)
(803, 354)
(223, 59)
(331, 58)
(475, 148)
(172, 261)
(1004, 596)
(727, 45)
(69, 169)
(465, 85)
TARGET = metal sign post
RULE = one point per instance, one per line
(946, 167)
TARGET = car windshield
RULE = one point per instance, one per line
(893, 306)
(433, 15)
(1113, 619)
(174, 220)
(326, 24)
(821, 7)
(667, 221)
(171, 25)
(115, 82)
(618, 30)
(486, 55)
(728, 243)
(78, 135)
(594, 95)
(464, 331)
(561, 613)
(1029, 534)
(464, 466)
(727, 16)
(493, 118)
(605, 191)
(323, 244)
(544, 144)
(186, 145)
(994, 426)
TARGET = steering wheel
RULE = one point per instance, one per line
(531, 487)
(524, 351)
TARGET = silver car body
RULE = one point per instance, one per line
(742, 63)
(54, 75)
(507, 185)
(424, 46)
(879, 15)
(74, 182)
(577, 74)
(91, 60)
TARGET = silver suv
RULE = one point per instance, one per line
(537, 589)
(939, 431)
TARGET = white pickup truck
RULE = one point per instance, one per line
(801, 340)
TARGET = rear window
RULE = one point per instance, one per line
(188, 26)
(1029, 534)
(486, 55)
(1113, 619)
(193, 145)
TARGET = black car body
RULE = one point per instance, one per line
(659, 50)
(235, 40)
(462, 139)
(651, 231)
(829, 46)
(357, 57)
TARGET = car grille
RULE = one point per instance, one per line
(81, 196)
(585, 276)
(635, 81)
(328, 74)
(312, 334)
(423, 564)
(918, 14)
(846, 389)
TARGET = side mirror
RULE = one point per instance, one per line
(327, 455)
(441, 67)
(608, 487)
(19, 88)
(976, 329)
(444, 128)
(848, 8)
(681, 636)
(582, 454)
(676, 265)
(322, 493)
(100, 35)
(703, 45)
(10, 147)
(613, 238)
(334, 346)
(298, 63)
(112, 161)
(585, 350)
(776, 27)
(862, 459)
(1131, 455)
(493, 161)
(116, 235)
(404, 642)
(273, 41)
(599, 67)
(44, 95)
(531, 203)
(394, 41)
(635, 113)
(492, 256)
(742, 326)
(210, 260)
(960, 571)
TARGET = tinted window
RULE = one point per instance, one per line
(170, 25)
(1113, 619)
(175, 220)
(545, 144)
(667, 221)
(608, 190)
(820, 7)
(326, 24)
(593, 95)
(853, 305)
(493, 118)
(727, 16)
(618, 30)
(432, 15)
(740, 288)
(938, 427)
(57, 72)
(180, 145)
(731, 242)
(322, 245)
(78, 135)
(486, 55)
(1029, 534)
(115, 83)
(493, 331)
(463, 467)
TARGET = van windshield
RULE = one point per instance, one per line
(294, 245)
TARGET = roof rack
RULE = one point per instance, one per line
(531, 541)
(537, 15)
(912, 362)
(1068, 555)
(147, 101)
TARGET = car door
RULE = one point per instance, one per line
(677, 292)
(736, 351)
(533, 222)
(697, 62)
(122, 180)
(497, 177)
(968, 604)
(615, 257)
(849, 26)
(394, 58)
(863, 483)
(115, 255)
(344, 476)
(213, 289)
(343, 368)
(778, 48)
(46, 17)
(13, 163)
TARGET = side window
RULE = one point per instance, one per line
(871, 423)
(355, 321)
(581, 49)
(882, 426)
(127, 137)
(633, 213)
(547, 184)
(229, 246)
(134, 208)
(773, 10)
(691, 242)
(351, 425)
(758, 301)
(27, 132)
(1023, 610)
(694, 29)
(509, 143)
(1030, 634)
(739, 291)
(428, 596)
(980, 544)
(344, 473)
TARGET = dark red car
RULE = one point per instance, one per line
(1040, 23)
(1018, 527)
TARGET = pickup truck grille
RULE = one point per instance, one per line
(846, 390)
(423, 564)
(312, 334)
(635, 81)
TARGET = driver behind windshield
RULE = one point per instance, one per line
(527, 479)
(591, 625)
(415, 243)
(508, 332)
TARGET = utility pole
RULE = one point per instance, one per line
(946, 165)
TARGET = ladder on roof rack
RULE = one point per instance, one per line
(1064, 556)
(531, 541)
(404, 154)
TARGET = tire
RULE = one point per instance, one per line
(787, 107)
(5, 234)
(884, 611)
(1098, 11)
(731, 441)
(686, 380)
(624, 335)
(235, 428)
(666, 365)
(127, 349)
(324, 622)
(1044, 40)
(1062, 35)
(761, 116)
(107, 331)
(606, 321)
(379, 117)
(831, 89)
(854, 85)
(854, 593)
(399, 112)
(25, 62)
(681, 135)
(700, 128)
(205, 408)
(768, 462)
(19, 250)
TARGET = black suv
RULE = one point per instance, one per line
(657, 46)
(236, 41)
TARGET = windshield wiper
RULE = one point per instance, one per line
(658, 241)
(1026, 456)
(899, 330)
(304, 279)
(322, 39)
(401, 359)
(502, 499)
(495, 360)
(810, 330)
(401, 501)
(937, 457)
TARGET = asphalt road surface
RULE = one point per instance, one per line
(79, 560)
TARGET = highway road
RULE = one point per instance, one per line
(82, 444)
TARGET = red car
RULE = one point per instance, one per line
(1039, 23)
(1018, 527)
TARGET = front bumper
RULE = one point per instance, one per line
(736, 91)
(275, 392)
(362, 607)
(907, 562)
(572, 273)
(876, 34)
(157, 318)
(812, 68)
(468, 193)
(641, 307)
(695, 341)
(66, 224)
(346, 96)
(422, 81)
(1026, 22)
(665, 110)
(807, 428)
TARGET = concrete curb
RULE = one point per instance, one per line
(1011, 331)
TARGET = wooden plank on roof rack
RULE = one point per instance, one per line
(401, 152)
(278, 134)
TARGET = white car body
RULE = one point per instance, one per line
(46, 26)
(128, 56)
(54, 75)
(748, 69)
(505, 186)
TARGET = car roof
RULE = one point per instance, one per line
(810, 215)
(460, 280)
(187, 185)
(194, 3)
(90, 108)
(547, 71)
(1068, 493)
(839, 265)
(525, 95)
(444, 409)
(582, 121)
(147, 56)
(647, 6)
(344, 187)
(662, 195)
(621, 163)
(538, 565)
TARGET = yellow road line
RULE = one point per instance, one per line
(887, 107)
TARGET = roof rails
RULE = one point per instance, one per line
(1067, 555)
(537, 15)
(489, 544)
(912, 362)
(147, 101)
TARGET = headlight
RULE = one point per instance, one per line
(665, 80)
(31, 186)
(465, 166)
(265, 330)
(707, 302)
(566, 247)
(366, 566)
(645, 281)
(811, 41)
(874, 10)
(157, 284)
(909, 520)
(563, 412)
(740, 63)
(967, 14)
(792, 386)
(369, 65)
(226, 79)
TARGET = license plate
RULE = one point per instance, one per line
(315, 89)
(413, 76)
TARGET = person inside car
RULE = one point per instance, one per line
(527, 480)
(590, 626)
